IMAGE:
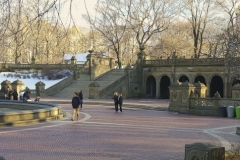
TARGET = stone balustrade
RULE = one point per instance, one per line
(184, 62)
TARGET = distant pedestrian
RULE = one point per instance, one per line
(120, 101)
(80, 94)
(115, 99)
(10, 95)
(7, 93)
(75, 105)
(26, 96)
(15, 94)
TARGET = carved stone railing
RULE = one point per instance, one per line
(212, 102)
(112, 86)
(184, 62)
(210, 106)
(41, 66)
(59, 86)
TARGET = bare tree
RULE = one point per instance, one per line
(229, 39)
(199, 13)
(111, 21)
(150, 17)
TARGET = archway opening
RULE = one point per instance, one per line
(236, 81)
(150, 87)
(200, 79)
(164, 90)
(216, 85)
(183, 79)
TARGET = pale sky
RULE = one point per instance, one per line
(78, 9)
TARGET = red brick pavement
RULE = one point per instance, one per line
(106, 135)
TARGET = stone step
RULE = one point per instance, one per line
(82, 84)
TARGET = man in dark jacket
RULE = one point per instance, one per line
(75, 105)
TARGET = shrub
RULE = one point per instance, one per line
(54, 74)
(234, 153)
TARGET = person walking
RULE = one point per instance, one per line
(80, 94)
(120, 101)
(115, 99)
(15, 94)
(75, 105)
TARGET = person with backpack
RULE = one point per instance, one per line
(75, 106)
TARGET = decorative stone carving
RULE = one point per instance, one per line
(204, 151)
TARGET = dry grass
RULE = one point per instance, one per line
(234, 153)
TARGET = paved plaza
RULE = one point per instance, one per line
(143, 131)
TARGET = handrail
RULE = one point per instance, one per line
(59, 86)
(112, 86)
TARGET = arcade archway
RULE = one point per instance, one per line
(183, 79)
(216, 85)
(200, 79)
(150, 87)
(164, 90)
(235, 81)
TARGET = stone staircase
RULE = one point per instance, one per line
(104, 80)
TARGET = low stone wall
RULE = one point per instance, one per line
(19, 113)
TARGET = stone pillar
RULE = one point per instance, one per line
(157, 90)
(112, 63)
(18, 85)
(94, 90)
(186, 89)
(33, 60)
(236, 91)
(174, 96)
(204, 151)
(5, 87)
(208, 90)
(225, 89)
(40, 88)
(91, 58)
(128, 70)
(73, 60)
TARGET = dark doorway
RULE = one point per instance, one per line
(216, 85)
(164, 90)
(183, 79)
(200, 79)
(150, 87)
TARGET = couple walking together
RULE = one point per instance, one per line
(77, 102)
(118, 100)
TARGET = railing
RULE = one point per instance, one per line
(112, 86)
(40, 66)
(184, 62)
(58, 86)
(210, 102)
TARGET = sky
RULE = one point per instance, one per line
(30, 83)
(78, 9)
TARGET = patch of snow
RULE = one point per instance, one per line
(28, 82)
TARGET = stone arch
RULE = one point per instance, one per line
(150, 87)
(234, 81)
(200, 78)
(164, 84)
(183, 78)
(216, 84)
